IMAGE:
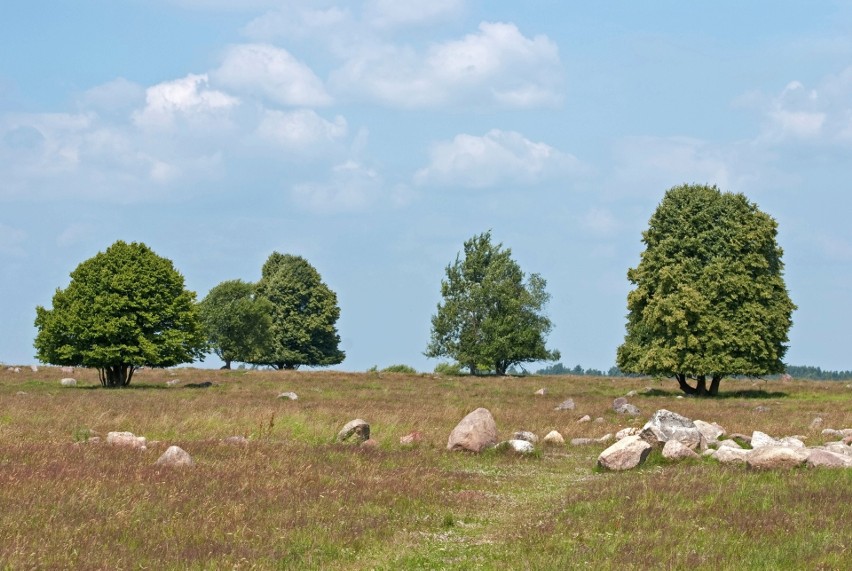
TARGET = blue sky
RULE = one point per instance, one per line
(375, 137)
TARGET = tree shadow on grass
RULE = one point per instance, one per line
(747, 394)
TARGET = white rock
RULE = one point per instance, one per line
(584, 418)
(776, 457)
(761, 439)
(175, 456)
(127, 439)
(68, 382)
(710, 431)
(625, 454)
(729, 443)
(360, 428)
(553, 438)
(172, 382)
(729, 455)
(541, 392)
(625, 432)
(519, 446)
(289, 395)
(828, 459)
(34, 368)
(525, 435)
(665, 425)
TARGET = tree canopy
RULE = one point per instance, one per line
(709, 299)
(490, 317)
(304, 312)
(124, 308)
(236, 321)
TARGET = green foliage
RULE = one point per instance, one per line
(709, 297)
(489, 316)
(400, 369)
(237, 321)
(304, 312)
(449, 369)
(125, 308)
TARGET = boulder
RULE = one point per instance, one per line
(474, 433)
(628, 409)
(827, 459)
(127, 439)
(68, 382)
(776, 457)
(289, 395)
(175, 456)
(553, 438)
(710, 431)
(411, 438)
(618, 403)
(729, 455)
(517, 446)
(625, 454)
(359, 428)
(760, 439)
(625, 432)
(525, 435)
(666, 425)
(34, 368)
(837, 433)
(674, 450)
(792, 442)
(728, 443)
(567, 404)
(839, 448)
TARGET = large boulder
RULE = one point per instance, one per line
(625, 454)
(674, 450)
(826, 459)
(666, 425)
(175, 456)
(730, 455)
(710, 431)
(358, 428)
(761, 440)
(474, 433)
(776, 457)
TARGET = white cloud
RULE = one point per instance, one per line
(113, 96)
(496, 65)
(188, 98)
(301, 128)
(12, 240)
(352, 187)
(272, 73)
(498, 157)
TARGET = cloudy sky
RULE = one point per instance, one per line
(375, 137)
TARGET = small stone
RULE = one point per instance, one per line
(628, 409)
(816, 423)
(34, 368)
(618, 403)
(411, 438)
(567, 404)
(289, 395)
(525, 435)
(583, 441)
(68, 382)
(175, 456)
(761, 408)
(541, 392)
(20, 393)
(599, 420)
(584, 418)
(760, 439)
(631, 394)
(553, 438)
(517, 446)
(625, 432)
(358, 427)
(729, 443)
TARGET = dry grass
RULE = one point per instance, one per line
(293, 498)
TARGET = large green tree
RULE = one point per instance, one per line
(709, 299)
(304, 314)
(490, 317)
(236, 321)
(124, 308)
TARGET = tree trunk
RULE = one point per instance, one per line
(290, 366)
(227, 365)
(116, 375)
(472, 368)
(701, 385)
(685, 386)
(714, 385)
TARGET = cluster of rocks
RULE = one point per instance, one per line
(681, 438)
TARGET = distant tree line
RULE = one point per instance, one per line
(816, 374)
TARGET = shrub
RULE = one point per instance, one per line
(449, 369)
(400, 369)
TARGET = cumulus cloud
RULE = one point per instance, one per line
(188, 98)
(351, 187)
(272, 73)
(299, 129)
(497, 65)
(495, 158)
(113, 96)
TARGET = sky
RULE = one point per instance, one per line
(373, 138)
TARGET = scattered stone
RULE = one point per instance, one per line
(839, 447)
(730, 455)
(525, 435)
(553, 438)
(674, 450)
(710, 452)
(541, 392)
(94, 440)
(599, 420)
(792, 442)
(68, 382)
(618, 403)
(474, 433)
(828, 459)
(517, 446)
(729, 443)
(625, 432)
(127, 439)
(760, 439)
(628, 409)
(585, 441)
(762, 408)
(289, 395)
(411, 438)
(236, 440)
(776, 457)
(625, 454)
(816, 423)
(584, 418)
(710, 432)
(837, 433)
(356, 427)
(666, 425)
(172, 382)
(34, 368)
(175, 456)
(567, 404)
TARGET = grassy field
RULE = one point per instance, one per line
(294, 499)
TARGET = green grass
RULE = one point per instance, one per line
(295, 499)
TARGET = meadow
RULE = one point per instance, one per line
(293, 498)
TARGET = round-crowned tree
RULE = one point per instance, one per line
(304, 312)
(490, 317)
(124, 308)
(709, 299)
(236, 321)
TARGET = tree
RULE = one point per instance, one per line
(490, 317)
(236, 321)
(709, 299)
(304, 312)
(124, 308)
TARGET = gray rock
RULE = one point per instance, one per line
(584, 418)
(760, 440)
(729, 455)
(68, 382)
(474, 433)
(517, 446)
(289, 395)
(553, 438)
(175, 456)
(710, 432)
(599, 420)
(625, 454)
(762, 408)
(827, 459)
(674, 450)
(359, 428)
(839, 448)
(625, 432)
(525, 435)
(628, 409)
(567, 404)
(837, 433)
(666, 425)
(792, 442)
(618, 403)
(776, 457)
